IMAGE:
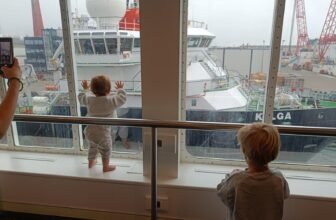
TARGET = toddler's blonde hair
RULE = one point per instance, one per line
(259, 142)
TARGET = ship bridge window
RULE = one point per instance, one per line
(112, 45)
(136, 42)
(110, 33)
(84, 34)
(98, 34)
(77, 47)
(125, 44)
(86, 46)
(193, 41)
(99, 45)
(124, 33)
(203, 42)
(207, 44)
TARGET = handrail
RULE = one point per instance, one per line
(198, 125)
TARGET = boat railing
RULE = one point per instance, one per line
(210, 60)
(104, 23)
(133, 86)
(197, 24)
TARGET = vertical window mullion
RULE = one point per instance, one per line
(279, 10)
(69, 48)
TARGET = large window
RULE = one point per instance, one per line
(237, 67)
(110, 52)
(51, 85)
(36, 45)
(306, 81)
(227, 66)
(218, 77)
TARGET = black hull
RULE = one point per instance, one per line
(218, 139)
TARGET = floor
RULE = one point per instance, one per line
(26, 216)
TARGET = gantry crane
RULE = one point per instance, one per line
(302, 39)
(328, 35)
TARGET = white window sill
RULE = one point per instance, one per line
(319, 185)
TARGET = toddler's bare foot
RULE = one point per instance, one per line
(125, 143)
(92, 163)
(109, 168)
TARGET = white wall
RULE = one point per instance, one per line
(106, 199)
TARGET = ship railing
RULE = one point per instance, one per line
(132, 86)
(211, 62)
(197, 24)
(104, 23)
(155, 124)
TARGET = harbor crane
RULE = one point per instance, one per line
(328, 35)
(302, 40)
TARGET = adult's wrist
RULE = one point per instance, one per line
(15, 81)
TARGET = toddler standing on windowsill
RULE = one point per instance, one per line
(101, 104)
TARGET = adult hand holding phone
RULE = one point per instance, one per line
(12, 72)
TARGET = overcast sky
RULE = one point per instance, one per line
(234, 22)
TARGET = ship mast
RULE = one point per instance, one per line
(37, 18)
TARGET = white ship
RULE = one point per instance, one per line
(108, 43)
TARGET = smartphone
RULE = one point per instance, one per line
(6, 51)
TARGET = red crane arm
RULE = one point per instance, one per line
(302, 40)
(328, 35)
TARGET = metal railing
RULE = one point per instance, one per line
(154, 124)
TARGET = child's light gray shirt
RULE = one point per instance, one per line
(250, 196)
(102, 106)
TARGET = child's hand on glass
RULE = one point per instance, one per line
(85, 85)
(119, 85)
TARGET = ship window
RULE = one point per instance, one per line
(136, 42)
(84, 34)
(86, 46)
(208, 42)
(125, 44)
(98, 33)
(193, 102)
(193, 41)
(203, 42)
(124, 33)
(99, 45)
(110, 33)
(112, 45)
(77, 48)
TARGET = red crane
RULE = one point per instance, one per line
(302, 40)
(37, 18)
(328, 35)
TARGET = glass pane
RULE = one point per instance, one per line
(306, 77)
(306, 82)
(125, 44)
(223, 59)
(99, 45)
(86, 46)
(3, 140)
(112, 45)
(37, 35)
(112, 33)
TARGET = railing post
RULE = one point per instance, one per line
(154, 175)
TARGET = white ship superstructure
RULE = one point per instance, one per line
(112, 46)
